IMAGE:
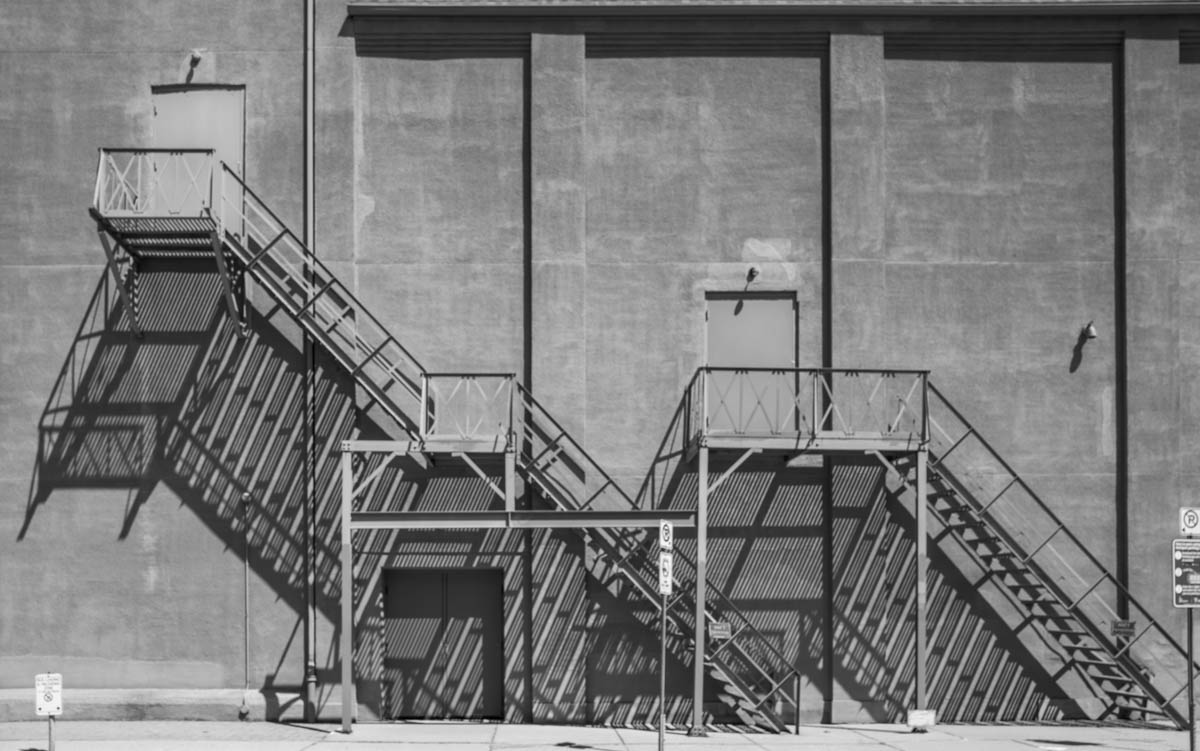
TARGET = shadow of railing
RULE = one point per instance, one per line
(767, 541)
(193, 407)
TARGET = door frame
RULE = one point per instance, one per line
(386, 710)
(762, 294)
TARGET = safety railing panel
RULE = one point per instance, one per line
(276, 258)
(807, 404)
(551, 453)
(154, 183)
(1040, 542)
(476, 407)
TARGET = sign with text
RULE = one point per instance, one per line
(1123, 629)
(1186, 562)
(48, 687)
(666, 536)
(720, 630)
(666, 571)
(1189, 521)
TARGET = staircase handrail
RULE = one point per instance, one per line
(316, 263)
(1062, 528)
(1042, 504)
(527, 397)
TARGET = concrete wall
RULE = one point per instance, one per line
(554, 198)
(122, 567)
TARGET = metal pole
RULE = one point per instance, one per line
(347, 592)
(697, 728)
(51, 718)
(662, 673)
(922, 576)
(1191, 690)
(246, 498)
(796, 700)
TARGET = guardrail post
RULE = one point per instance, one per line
(922, 574)
(423, 431)
(697, 728)
(347, 591)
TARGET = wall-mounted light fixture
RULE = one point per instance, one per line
(1088, 332)
(752, 274)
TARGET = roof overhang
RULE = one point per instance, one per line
(581, 8)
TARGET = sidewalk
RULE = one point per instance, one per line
(445, 736)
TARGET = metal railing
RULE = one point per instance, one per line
(809, 403)
(154, 182)
(131, 183)
(1046, 547)
(271, 253)
(568, 475)
(468, 407)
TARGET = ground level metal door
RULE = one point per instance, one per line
(443, 644)
(751, 330)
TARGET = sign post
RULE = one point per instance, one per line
(47, 689)
(1185, 593)
(666, 566)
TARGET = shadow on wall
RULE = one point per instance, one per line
(767, 547)
(207, 414)
(211, 416)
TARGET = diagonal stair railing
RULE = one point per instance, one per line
(272, 254)
(548, 457)
(1124, 657)
(755, 678)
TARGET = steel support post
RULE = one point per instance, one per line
(922, 577)
(510, 481)
(697, 728)
(231, 302)
(347, 593)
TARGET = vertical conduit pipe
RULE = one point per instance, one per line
(310, 619)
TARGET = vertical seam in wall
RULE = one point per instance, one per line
(1121, 374)
(827, 647)
(527, 536)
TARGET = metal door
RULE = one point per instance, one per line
(751, 344)
(443, 651)
(205, 116)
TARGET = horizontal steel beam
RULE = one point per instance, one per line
(519, 519)
(828, 443)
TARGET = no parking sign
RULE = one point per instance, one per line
(48, 687)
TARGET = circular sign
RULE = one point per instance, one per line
(1189, 521)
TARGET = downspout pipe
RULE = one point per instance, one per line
(310, 512)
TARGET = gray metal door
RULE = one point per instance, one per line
(205, 116)
(443, 652)
(749, 334)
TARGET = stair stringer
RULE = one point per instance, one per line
(984, 544)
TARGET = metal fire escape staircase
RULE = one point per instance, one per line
(160, 203)
(1056, 587)
(181, 203)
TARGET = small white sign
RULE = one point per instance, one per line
(920, 720)
(666, 536)
(666, 570)
(1189, 521)
(48, 687)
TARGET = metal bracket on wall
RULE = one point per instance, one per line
(233, 284)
